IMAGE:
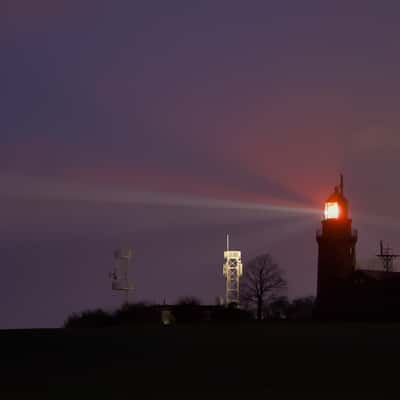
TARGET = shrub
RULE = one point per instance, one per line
(89, 319)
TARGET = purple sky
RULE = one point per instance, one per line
(257, 101)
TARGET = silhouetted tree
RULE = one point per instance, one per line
(262, 282)
(89, 319)
(278, 308)
(128, 314)
(136, 313)
(301, 308)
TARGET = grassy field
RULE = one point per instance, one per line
(327, 360)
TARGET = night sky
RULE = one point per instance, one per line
(262, 102)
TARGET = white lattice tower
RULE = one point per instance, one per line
(233, 270)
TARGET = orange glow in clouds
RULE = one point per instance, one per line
(332, 211)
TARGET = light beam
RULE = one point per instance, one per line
(30, 187)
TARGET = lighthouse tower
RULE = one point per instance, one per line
(336, 254)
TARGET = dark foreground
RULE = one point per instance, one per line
(323, 360)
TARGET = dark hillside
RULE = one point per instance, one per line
(285, 358)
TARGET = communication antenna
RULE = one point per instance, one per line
(387, 257)
(232, 270)
(341, 184)
(120, 273)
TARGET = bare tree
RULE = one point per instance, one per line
(262, 282)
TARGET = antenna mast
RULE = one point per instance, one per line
(341, 184)
(387, 257)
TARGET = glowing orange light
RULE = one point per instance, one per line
(332, 211)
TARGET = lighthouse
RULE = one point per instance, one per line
(336, 254)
